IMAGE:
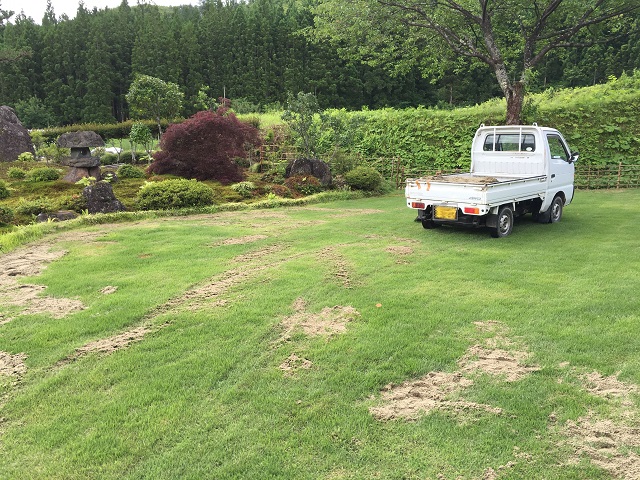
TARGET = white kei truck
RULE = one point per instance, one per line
(515, 169)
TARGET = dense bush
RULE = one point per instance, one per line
(75, 202)
(105, 130)
(129, 171)
(245, 189)
(34, 207)
(173, 194)
(26, 157)
(4, 190)
(16, 173)
(6, 215)
(279, 190)
(304, 185)
(204, 146)
(43, 174)
(363, 178)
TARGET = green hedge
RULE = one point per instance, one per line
(601, 122)
(105, 130)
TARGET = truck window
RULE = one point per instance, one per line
(557, 149)
(510, 142)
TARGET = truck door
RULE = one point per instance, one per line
(561, 169)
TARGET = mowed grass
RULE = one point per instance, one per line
(204, 397)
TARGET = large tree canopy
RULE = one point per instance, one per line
(512, 37)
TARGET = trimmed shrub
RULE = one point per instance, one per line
(304, 185)
(108, 158)
(129, 171)
(245, 189)
(43, 174)
(363, 178)
(174, 194)
(34, 207)
(4, 190)
(279, 190)
(6, 215)
(16, 173)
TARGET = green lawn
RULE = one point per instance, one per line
(203, 394)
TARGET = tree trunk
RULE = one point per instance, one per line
(514, 94)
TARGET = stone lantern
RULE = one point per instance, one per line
(81, 162)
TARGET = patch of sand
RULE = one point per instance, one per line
(27, 262)
(431, 392)
(12, 365)
(109, 289)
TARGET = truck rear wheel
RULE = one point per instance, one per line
(505, 222)
(556, 210)
(429, 224)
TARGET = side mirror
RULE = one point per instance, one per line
(574, 157)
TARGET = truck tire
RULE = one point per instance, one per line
(555, 210)
(429, 224)
(505, 222)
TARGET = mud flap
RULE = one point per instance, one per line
(544, 217)
(492, 220)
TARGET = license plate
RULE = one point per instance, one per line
(446, 213)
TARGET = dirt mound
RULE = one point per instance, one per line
(12, 365)
(431, 392)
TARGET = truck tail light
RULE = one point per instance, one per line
(473, 210)
(418, 205)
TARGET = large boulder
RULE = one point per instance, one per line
(310, 166)
(100, 199)
(14, 138)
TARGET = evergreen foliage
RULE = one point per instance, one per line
(79, 71)
(363, 178)
(204, 146)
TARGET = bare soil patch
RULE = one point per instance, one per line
(507, 364)
(607, 387)
(240, 240)
(431, 392)
(294, 363)
(330, 321)
(259, 254)
(111, 344)
(339, 267)
(31, 261)
(12, 365)
(607, 444)
(399, 250)
(109, 289)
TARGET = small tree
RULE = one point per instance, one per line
(140, 135)
(204, 146)
(302, 115)
(152, 98)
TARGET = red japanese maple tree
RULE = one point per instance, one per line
(204, 146)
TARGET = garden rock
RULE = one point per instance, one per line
(100, 199)
(78, 173)
(57, 216)
(310, 166)
(14, 138)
